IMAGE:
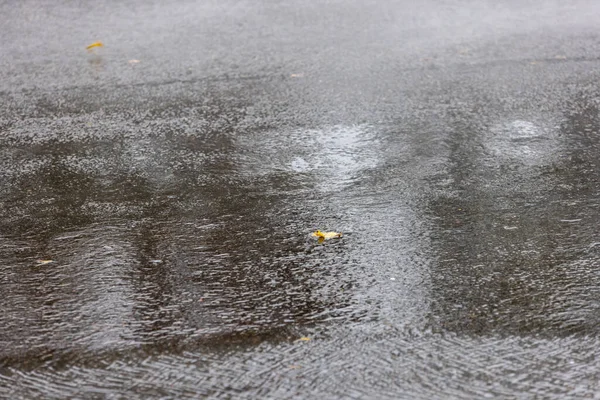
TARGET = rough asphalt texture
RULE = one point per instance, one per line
(174, 176)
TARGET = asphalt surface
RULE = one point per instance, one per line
(157, 197)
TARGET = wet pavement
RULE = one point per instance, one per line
(157, 197)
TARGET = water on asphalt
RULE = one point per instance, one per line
(155, 214)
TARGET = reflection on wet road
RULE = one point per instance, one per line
(177, 206)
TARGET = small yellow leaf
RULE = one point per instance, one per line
(303, 339)
(42, 262)
(95, 44)
(326, 235)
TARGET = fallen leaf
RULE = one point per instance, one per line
(303, 339)
(295, 366)
(133, 61)
(326, 235)
(95, 44)
(42, 262)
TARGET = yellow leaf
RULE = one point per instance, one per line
(326, 235)
(44, 261)
(303, 339)
(95, 44)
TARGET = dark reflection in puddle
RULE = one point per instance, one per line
(47, 201)
(159, 241)
(515, 228)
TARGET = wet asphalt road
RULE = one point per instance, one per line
(174, 177)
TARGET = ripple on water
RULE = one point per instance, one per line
(329, 158)
(392, 364)
(192, 273)
(523, 143)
